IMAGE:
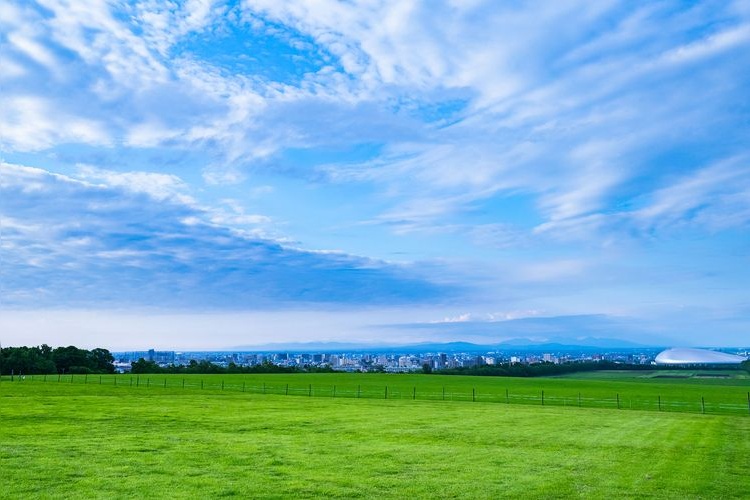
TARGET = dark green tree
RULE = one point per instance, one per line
(143, 366)
(44, 359)
(101, 361)
(71, 359)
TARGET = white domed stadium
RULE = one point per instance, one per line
(688, 356)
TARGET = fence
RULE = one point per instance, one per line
(395, 392)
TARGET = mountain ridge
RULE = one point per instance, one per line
(586, 343)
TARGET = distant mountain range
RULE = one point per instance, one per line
(516, 344)
(592, 330)
(539, 333)
(582, 342)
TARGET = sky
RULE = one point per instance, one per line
(211, 174)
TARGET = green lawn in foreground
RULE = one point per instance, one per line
(718, 396)
(84, 441)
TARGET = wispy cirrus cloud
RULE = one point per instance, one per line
(559, 119)
(574, 142)
(573, 154)
(115, 240)
(716, 197)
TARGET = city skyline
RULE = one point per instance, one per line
(207, 174)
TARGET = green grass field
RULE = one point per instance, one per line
(64, 440)
(726, 377)
(624, 390)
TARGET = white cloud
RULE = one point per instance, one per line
(461, 318)
(161, 187)
(513, 315)
(32, 123)
(716, 196)
(165, 23)
(567, 120)
(232, 213)
(595, 171)
(147, 243)
(709, 46)
(34, 50)
(11, 69)
(89, 29)
(151, 134)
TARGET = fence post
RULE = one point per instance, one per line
(165, 383)
(386, 392)
(507, 397)
(222, 385)
(659, 401)
(703, 405)
(85, 378)
(414, 394)
(334, 391)
(58, 377)
(100, 380)
(618, 400)
(264, 387)
(542, 397)
(201, 383)
(148, 382)
(579, 400)
(183, 383)
(286, 391)
(309, 390)
(359, 387)
(443, 393)
(115, 380)
(45, 378)
(473, 394)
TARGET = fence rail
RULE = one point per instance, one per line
(540, 398)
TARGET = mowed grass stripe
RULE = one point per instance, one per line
(643, 394)
(95, 442)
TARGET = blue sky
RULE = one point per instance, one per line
(207, 174)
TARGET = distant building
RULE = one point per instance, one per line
(160, 357)
(688, 356)
(550, 358)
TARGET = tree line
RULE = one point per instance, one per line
(544, 369)
(44, 359)
(549, 369)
